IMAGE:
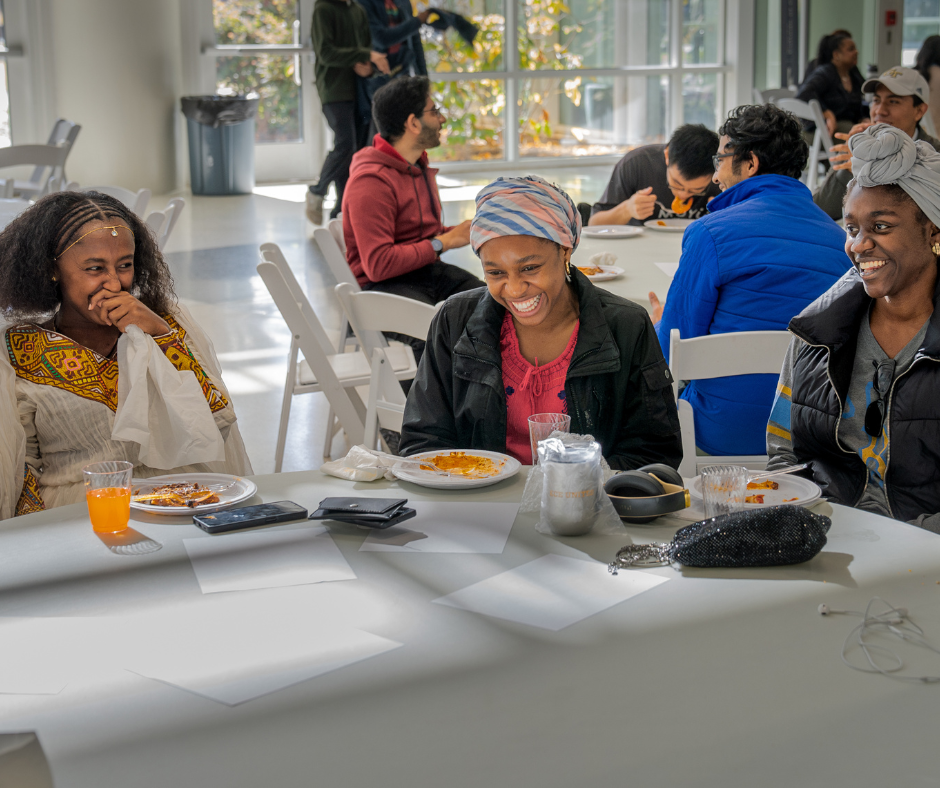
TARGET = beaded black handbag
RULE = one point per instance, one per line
(775, 536)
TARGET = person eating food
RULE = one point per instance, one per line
(98, 356)
(661, 181)
(539, 338)
(857, 397)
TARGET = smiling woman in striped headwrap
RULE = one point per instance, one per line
(539, 339)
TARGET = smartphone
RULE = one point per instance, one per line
(249, 517)
(365, 520)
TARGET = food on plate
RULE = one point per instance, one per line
(754, 499)
(787, 500)
(678, 206)
(661, 223)
(459, 463)
(764, 485)
(189, 494)
(590, 270)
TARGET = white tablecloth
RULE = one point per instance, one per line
(714, 678)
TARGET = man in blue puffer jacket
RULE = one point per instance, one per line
(762, 255)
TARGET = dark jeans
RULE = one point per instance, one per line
(348, 136)
(430, 284)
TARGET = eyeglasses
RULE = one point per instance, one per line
(434, 110)
(880, 385)
(716, 159)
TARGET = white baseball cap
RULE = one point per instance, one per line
(902, 82)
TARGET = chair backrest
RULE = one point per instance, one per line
(136, 201)
(822, 142)
(271, 253)
(63, 134)
(371, 312)
(721, 355)
(163, 222)
(307, 331)
(334, 256)
(773, 95)
(335, 226)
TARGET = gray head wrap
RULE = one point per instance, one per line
(883, 155)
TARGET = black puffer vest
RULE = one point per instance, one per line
(821, 375)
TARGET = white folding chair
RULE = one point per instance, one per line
(136, 201)
(62, 136)
(335, 226)
(773, 95)
(49, 158)
(822, 142)
(163, 222)
(719, 356)
(370, 313)
(321, 369)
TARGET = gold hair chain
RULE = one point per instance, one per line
(113, 228)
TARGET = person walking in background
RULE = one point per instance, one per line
(836, 83)
(342, 45)
(396, 34)
(928, 64)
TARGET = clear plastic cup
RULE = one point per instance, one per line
(108, 492)
(541, 425)
(724, 488)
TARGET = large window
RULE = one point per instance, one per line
(5, 136)
(921, 19)
(546, 78)
(275, 78)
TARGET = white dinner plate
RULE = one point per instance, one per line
(609, 272)
(668, 225)
(611, 231)
(240, 491)
(415, 475)
(803, 490)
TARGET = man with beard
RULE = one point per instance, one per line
(391, 206)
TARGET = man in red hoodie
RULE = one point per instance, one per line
(391, 206)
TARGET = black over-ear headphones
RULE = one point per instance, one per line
(643, 495)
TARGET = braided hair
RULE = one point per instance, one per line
(30, 244)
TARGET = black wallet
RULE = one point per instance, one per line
(366, 512)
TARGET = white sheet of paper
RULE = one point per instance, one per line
(235, 664)
(40, 655)
(669, 269)
(266, 559)
(443, 527)
(551, 592)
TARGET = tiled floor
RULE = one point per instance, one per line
(213, 253)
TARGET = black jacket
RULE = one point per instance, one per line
(821, 375)
(618, 389)
(825, 85)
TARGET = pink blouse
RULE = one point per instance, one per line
(530, 389)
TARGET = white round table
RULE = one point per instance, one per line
(716, 677)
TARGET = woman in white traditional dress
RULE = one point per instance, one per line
(99, 361)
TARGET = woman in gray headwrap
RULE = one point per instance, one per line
(858, 393)
(539, 339)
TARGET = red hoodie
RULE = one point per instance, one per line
(391, 211)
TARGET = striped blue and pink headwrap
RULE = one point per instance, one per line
(525, 206)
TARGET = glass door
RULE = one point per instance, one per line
(260, 49)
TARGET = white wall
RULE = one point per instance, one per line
(117, 68)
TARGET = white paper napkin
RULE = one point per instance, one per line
(551, 592)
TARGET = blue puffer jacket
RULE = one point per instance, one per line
(763, 254)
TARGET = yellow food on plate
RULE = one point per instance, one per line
(754, 499)
(681, 207)
(768, 484)
(590, 270)
(189, 494)
(661, 223)
(460, 463)
(787, 500)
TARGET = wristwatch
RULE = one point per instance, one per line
(437, 245)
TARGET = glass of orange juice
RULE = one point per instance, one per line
(108, 492)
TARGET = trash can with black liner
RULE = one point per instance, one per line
(221, 143)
